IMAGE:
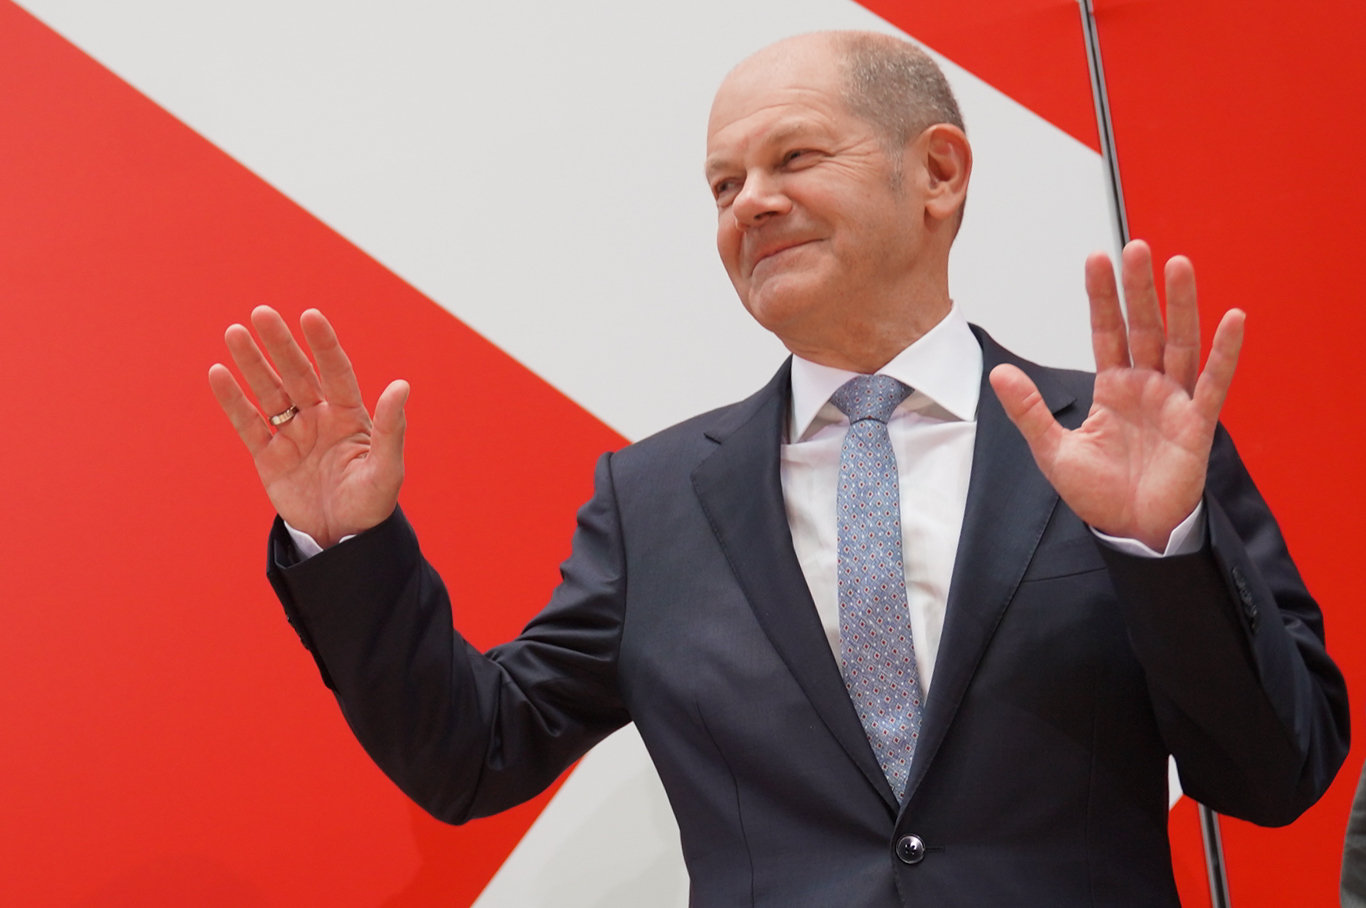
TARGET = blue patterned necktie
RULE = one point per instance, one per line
(877, 653)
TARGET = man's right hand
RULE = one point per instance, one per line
(330, 470)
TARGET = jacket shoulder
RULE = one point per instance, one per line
(695, 437)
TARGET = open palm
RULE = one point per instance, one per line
(329, 469)
(1136, 467)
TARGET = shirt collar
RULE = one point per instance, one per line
(944, 367)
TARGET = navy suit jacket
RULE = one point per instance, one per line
(1066, 674)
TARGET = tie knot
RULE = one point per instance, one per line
(869, 397)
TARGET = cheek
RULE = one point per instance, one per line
(728, 246)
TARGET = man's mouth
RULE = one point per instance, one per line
(776, 251)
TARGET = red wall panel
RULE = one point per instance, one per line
(167, 741)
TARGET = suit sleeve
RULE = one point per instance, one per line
(1249, 703)
(463, 733)
(1353, 882)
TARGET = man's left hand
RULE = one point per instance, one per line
(1136, 467)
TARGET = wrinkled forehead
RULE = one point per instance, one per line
(804, 70)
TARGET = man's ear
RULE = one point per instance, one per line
(947, 159)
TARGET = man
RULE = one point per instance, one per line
(917, 656)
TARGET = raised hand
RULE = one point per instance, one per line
(328, 468)
(1136, 467)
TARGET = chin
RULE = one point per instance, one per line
(778, 307)
(779, 291)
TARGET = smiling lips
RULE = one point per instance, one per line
(773, 248)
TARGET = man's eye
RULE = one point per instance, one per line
(796, 155)
(722, 189)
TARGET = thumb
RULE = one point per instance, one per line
(390, 423)
(1026, 408)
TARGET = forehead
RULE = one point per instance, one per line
(776, 93)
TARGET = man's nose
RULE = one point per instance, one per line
(760, 198)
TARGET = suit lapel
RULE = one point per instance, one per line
(740, 489)
(1009, 504)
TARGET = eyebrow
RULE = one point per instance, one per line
(779, 135)
(715, 163)
(786, 132)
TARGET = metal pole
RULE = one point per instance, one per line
(1214, 857)
(1209, 820)
(1104, 125)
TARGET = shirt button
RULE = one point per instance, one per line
(910, 849)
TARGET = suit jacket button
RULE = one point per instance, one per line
(910, 849)
(1240, 584)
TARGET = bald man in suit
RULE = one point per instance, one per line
(1091, 581)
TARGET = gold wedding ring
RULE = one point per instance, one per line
(284, 416)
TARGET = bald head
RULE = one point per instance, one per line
(886, 81)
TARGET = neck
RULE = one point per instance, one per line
(866, 346)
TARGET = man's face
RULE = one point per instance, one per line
(817, 233)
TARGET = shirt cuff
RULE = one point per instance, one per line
(305, 544)
(1188, 537)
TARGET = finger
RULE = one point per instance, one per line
(1146, 335)
(296, 373)
(336, 377)
(1211, 390)
(1181, 357)
(1109, 340)
(390, 423)
(1027, 410)
(241, 412)
(260, 375)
